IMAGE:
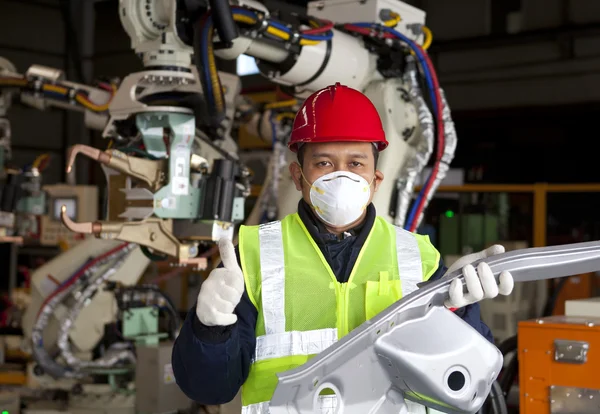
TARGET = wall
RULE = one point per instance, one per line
(498, 58)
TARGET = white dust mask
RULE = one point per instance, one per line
(340, 198)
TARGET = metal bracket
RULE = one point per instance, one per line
(572, 352)
(571, 400)
(151, 172)
(357, 365)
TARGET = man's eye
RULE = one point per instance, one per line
(323, 163)
(356, 164)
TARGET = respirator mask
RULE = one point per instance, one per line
(339, 198)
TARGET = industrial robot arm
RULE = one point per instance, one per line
(383, 55)
(175, 183)
(174, 203)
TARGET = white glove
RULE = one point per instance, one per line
(222, 290)
(481, 283)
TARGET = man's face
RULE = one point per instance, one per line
(324, 158)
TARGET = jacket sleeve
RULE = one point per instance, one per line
(211, 363)
(470, 313)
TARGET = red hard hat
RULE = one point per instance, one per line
(335, 114)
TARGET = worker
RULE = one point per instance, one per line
(296, 286)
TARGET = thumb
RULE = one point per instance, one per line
(227, 253)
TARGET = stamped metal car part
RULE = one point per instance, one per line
(416, 351)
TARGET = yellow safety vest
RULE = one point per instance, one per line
(303, 309)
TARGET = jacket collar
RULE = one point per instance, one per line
(320, 234)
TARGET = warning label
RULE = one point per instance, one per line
(168, 377)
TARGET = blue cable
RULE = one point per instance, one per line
(421, 58)
(73, 275)
(319, 38)
(204, 50)
(283, 27)
(434, 102)
(279, 26)
(56, 94)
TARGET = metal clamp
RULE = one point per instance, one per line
(571, 352)
(152, 232)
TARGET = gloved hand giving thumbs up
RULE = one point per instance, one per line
(222, 290)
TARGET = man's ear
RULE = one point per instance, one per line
(378, 179)
(296, 173)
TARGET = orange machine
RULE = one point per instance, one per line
(559, 365)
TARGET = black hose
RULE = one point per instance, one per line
(224, 23)
(71, 38)
(508, 345)
(174, 317)
(497, 400)
(551, 302)
(509, 375)
(511, 371)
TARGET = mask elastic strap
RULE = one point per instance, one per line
(303, 177)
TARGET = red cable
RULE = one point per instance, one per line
(367, 32)
(26, 276)
(321, 29)
(77, 275)
(440, 137)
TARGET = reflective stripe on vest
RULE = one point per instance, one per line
(294, 343)
(273, 277)
(327, 405)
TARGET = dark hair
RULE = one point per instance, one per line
(300, 155)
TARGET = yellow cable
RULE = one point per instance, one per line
(214, 76)
(91, 106)
(281, 104)
(273, 30)
(53, 88)
(278, 32)
(288, 115)
(40, 158)
(244, 19)
(428, 37)
(393, 21)
(305, 42)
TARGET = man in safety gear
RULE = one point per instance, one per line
(297, 285)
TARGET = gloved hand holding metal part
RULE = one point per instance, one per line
(480, 281)
(317, 274)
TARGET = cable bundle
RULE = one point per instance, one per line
(204, 43)
(433, 88)
(59, 91)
